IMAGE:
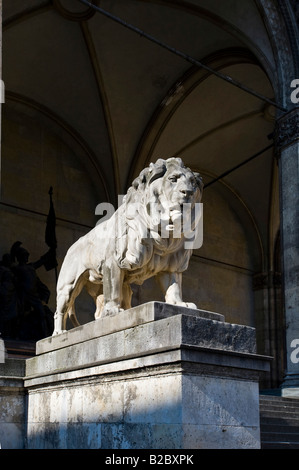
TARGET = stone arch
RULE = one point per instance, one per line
(174, 98)
(281, 27)
(232, 211)
(39, 150)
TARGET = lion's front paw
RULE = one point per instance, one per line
(111, 309)
(190, 305)
(185, 304)
(58, 332)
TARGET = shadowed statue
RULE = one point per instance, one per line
(130, 247)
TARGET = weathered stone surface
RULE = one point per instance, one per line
(135, 316)
(81, 349)
(288, 144)
(177, 382)
(164, 410)
(12, 404)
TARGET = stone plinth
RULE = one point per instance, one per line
(12, 404)
(153, 377)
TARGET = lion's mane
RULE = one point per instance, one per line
(139, 245)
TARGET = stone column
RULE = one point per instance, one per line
(270, 328)
(287, 144)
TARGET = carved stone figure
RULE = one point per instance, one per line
(145, 237)
(31, 291)
(8, 299)
(24, 314)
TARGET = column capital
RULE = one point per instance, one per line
(286, 130)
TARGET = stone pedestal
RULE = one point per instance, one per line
(12, 404)
(154, 377)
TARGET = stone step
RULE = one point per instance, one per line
(279, 409)
(282, 402)
(279, 428)
(279, 422)
(279, 406)
(280, 436)
(280, 445)
(268, 399)
(278, 412)
(274, 398)
(279, 416)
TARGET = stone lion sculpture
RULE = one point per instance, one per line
(143, 238)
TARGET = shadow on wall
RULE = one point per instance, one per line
(142, 436)
(24, 313)
(169, 413)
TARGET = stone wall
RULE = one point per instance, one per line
(12, 404)
(37, 154)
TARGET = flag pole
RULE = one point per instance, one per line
(50, 235)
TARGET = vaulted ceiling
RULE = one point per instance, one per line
(129, 101)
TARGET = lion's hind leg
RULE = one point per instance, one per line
(66, 305)
(62, 307)
(80, 283)
(126, 296)
(171, 286)
(95, 290)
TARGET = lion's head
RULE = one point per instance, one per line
(164, 190)
(160, 197)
